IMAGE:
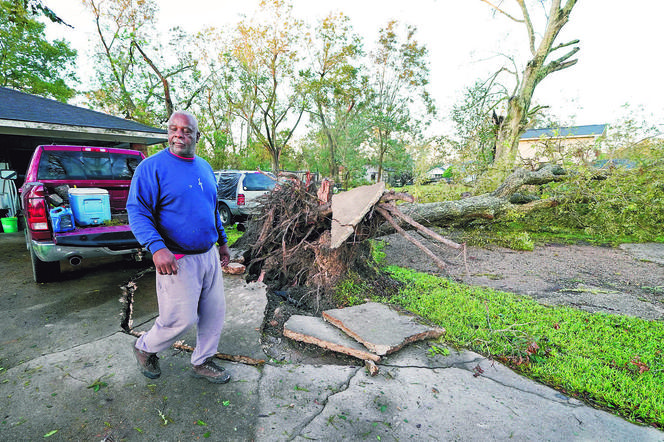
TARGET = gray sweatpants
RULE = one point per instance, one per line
(195, 296)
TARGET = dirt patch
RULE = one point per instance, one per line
(591, 278)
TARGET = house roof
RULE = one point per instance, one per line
(565, 132)
(26, 114)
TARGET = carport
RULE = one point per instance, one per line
(27, 121)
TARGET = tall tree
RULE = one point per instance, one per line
(477, 122)
(541, 64)
(399, 78)
(335, 85)
(36, 8)
(271, 98)
(224, 135)
(28, 61)
(135, 73)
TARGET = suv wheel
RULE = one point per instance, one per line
(43, 271)
(225, 214)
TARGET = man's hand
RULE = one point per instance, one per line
(224, 255)
(165, 262)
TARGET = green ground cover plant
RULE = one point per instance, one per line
(233, 234)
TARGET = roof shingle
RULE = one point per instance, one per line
(19, 106)
(564, 132)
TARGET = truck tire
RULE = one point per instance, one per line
(225, 214)
(43, 271)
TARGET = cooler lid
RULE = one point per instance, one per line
(87, 191)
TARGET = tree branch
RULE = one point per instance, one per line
(559, 64)
(564, 45)
(521, 177)
(529, 25)
(502, 11)
(441, 265)
(168, 102)
(486, 206)
(394, 211)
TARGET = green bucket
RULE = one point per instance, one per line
(9, 224)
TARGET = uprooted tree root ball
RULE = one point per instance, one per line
(289, 247)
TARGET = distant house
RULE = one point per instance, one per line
(436, 173)
(371, 174)
(579, 142)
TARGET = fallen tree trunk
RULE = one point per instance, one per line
(488, 206)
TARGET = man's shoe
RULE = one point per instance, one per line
(211, 371)
(148, 363)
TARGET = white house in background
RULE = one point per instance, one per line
(436, 173)
(371, 174)
(580, 142)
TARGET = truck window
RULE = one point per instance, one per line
(78, 165)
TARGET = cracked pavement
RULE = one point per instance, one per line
(68, 372)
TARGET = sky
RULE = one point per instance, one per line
(619, 61)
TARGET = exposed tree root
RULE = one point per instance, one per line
(234, 358)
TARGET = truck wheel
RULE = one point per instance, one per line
(43, 271)
(225, 214)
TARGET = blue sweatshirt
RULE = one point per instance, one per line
(172, 203)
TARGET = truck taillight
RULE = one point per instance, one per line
(36, 215)
(240, 199)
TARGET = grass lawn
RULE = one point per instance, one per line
(232, 233)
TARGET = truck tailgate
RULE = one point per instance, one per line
(113, 237)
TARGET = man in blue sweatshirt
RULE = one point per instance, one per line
(172, 212)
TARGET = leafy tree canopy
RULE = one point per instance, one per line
(28, 61)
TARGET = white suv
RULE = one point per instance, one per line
(237, 191)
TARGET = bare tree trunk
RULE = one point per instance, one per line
(486, 206)
(537, 68)
(168, 102)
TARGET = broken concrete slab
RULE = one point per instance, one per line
(314, 330)
(349, 208)
(381, 328)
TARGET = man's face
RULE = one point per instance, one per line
(182, 135)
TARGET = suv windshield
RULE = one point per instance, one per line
(258, 182)
(80, 165)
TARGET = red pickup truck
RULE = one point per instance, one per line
(53, 170)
